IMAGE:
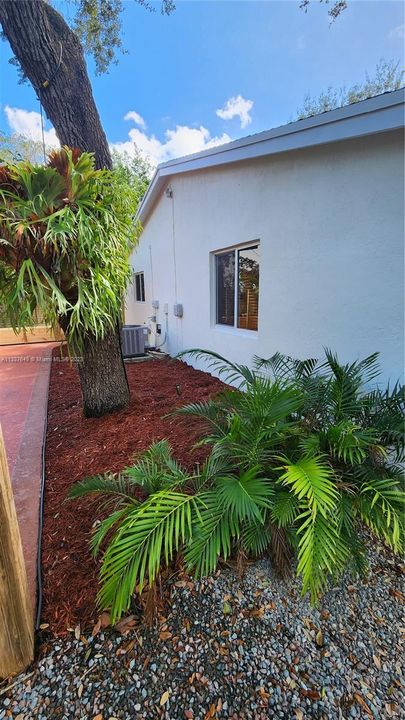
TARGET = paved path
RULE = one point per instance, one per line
(24, 379)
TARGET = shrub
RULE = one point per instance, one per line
(302, 455)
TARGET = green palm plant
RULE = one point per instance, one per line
(332, 454)
(300, 459)
(157, 509)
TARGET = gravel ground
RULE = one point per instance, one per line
(234, 648)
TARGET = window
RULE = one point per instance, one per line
(139, 283)
(237, 287)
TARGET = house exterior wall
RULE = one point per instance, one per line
(330, 223)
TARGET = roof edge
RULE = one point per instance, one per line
(380, 113)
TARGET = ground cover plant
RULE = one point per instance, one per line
(301, 456)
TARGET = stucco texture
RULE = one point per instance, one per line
(330, 221)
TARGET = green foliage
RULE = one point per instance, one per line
(300, 460)
(66, 232)
(331, 444)
(388, 76)
(98, 24)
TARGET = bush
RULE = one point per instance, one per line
(300, 459)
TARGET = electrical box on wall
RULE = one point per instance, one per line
(166, 308)
(178, 310)
(155, 304)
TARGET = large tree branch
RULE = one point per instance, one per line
(52, 58)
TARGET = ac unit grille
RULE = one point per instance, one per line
(133, 340)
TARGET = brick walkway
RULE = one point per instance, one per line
(24, 379)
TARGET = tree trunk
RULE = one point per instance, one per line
(51, 57)
(101, 383)
(101, 372)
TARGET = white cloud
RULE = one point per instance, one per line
(28, 123)
(136, 117)
(398, 33)
(177, 142)
(183, 140)
(239, 107)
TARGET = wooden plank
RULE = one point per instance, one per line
(16, 616)
(40, 333)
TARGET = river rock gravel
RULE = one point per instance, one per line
(234, 648)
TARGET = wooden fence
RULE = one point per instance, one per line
(16, 614)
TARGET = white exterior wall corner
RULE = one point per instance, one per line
(330, 220)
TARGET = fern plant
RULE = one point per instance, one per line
(302, 455)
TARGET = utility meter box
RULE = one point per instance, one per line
(155, 304)
(178, 310)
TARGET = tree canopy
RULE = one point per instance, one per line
(388, 76)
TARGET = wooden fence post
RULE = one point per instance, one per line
(16, 616)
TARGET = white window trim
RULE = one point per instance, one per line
(134, 274)
(230, 329)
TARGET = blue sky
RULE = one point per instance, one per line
(180, 70)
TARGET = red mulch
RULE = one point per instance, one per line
(77, 447)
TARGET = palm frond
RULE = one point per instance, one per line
(382, 507)
(147, 536)
(284, 507)
(113, 486)
(244, 497)
(213, 536)
(156, 469)
(231, 372)
(311, 479)
(321, 552)
(284, 367)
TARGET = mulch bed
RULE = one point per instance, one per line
(77, 447)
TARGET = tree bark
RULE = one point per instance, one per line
(105, 375)
(51, 57)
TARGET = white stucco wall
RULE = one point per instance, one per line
(330, 221)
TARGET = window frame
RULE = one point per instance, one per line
(224, 251)
(141, 275)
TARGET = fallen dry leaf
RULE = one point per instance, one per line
(210, 713)
(319, 638)
(105, 619)
(164, 698)
(363, 704)
(165, 635)
(77, 632)
(397, 595)
(377, 661)
(125, 625)
(96, 628)
(188, 714)
(311, 694)
(299, 714)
